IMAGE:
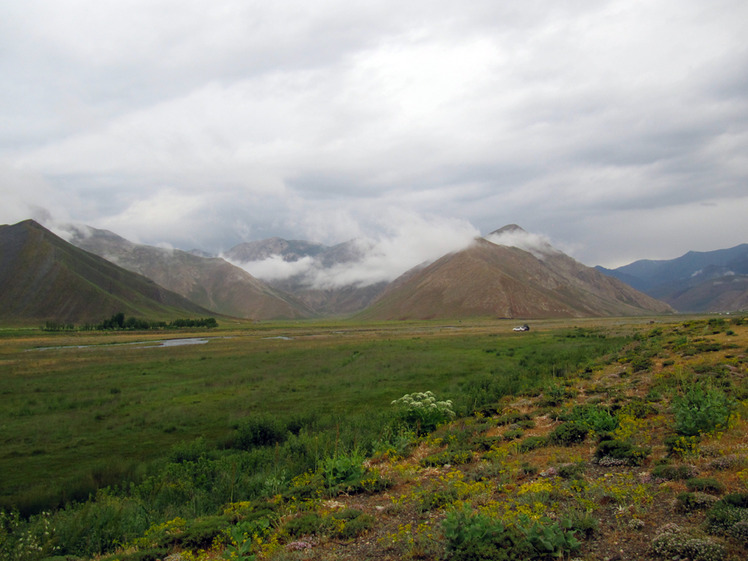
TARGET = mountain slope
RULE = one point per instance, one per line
(711, 281)
(43, 277)
(488, 279)
(210, 282)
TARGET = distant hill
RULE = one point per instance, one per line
(43, 277)
(497, 280)
(212, 283)
(710, 281)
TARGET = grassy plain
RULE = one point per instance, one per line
(83, 410)
(584, 438)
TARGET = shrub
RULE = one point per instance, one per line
(485, 443)
(728, 518)
(305, 525)
(682, 446)
(570, 471)
(531, 443)
(641, 363)
(594, 417)
(422, 412)
(689, 502)
(513, 434)
(621, 450)
(705, 485)
(260, 430)
(568, 433)
(702, 409)
(671, 472)
(675, 542)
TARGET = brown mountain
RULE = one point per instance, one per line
(43, 277)
(210, 282)
(489, 279)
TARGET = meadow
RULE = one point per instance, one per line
(120, 445)
(82, 411)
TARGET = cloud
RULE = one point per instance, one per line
(537, 244)
(408, 240)
(229, 120)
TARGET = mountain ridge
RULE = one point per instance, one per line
(43, 277)
(697, 281)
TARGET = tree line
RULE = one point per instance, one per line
(120, 322)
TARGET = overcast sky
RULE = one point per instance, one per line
(617, 129)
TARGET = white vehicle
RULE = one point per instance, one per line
(522, 328)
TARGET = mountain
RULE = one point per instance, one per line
(498, 280)
(313, 265)
(710, 281)
(212, 283)
(43, 277)
(289, 250)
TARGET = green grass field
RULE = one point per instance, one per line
(75, 419)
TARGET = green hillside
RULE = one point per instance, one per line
(42, 277)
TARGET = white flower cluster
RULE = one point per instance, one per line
(425, 401)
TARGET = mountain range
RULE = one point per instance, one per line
(699, 281)
(210, 282)
(508, 273)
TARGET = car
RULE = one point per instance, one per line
(524, 327)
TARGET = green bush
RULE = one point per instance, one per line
(621, 450)
(690, 502)
(568, 434)
(531, 443)
(259, 430)
(702, 409)
(570, 471)
(705, 485)
(728, 518)
(305, 525)
(594, 417)
(671, 472)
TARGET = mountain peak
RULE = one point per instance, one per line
(509, 229)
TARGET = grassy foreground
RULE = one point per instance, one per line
(593, 440)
